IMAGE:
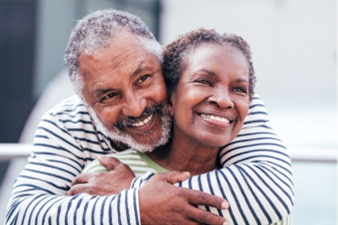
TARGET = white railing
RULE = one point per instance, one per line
(297, 154)
(18, 153)
(14, 150)
(311, 154)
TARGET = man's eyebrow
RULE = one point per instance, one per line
(140, 67)
(100, 92)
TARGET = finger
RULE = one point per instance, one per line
(81, 179)
(78, 188)
(205, 217)
(109, 162)
(201, 198)
(173, 177)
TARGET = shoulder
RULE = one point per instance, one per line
(70, 115)
(72, 108)
(71, 104)
(258, 114)
(257, 105)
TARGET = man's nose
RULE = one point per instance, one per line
(222, 98)
(134, 105)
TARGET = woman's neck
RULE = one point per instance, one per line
(185, 156)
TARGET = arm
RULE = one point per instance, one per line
(39, 194)
(256, 178)
(258, 172)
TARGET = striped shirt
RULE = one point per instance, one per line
(257, 177)
(138, 162)
(141, 164)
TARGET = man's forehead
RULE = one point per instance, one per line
(127, 64)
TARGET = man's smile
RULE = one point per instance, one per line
(146, 118)
(141, 123)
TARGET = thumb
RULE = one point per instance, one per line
(109, 162)
(174, 177)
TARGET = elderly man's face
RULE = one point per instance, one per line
(124, 85)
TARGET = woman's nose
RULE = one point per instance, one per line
(222, 98)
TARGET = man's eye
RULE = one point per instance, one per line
(109, 96)
(143, 78)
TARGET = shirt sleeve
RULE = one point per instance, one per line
(256, 178)
(39, 194)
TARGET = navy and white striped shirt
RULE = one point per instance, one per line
(257, 180)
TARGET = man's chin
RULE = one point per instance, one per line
(140, 144)
(143, 143)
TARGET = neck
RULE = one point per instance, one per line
(119, 146)
(190, 157)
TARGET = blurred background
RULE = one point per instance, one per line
(294, 45)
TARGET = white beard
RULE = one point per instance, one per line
(120, 136)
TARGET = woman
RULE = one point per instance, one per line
(210, 86)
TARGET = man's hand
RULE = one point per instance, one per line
(163, 203)
(113, 182)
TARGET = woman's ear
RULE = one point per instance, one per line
(172, 100)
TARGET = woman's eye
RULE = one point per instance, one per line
(241, 90)
(205, 82)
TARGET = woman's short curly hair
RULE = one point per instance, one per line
(96, 30)
(176, 53)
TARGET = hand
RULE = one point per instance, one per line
(163, 203)
(118, 178)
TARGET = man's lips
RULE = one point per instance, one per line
(142, 122)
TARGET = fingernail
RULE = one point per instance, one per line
(225, 223)
(225, 205)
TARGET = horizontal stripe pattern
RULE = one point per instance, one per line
(66, 140)
(129, 157)
(256, 178)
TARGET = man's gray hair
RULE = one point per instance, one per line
(95, 31)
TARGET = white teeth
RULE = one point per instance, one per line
(143, 122)
(217, 118)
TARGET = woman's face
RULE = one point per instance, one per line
(212, 96)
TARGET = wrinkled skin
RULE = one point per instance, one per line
(117, 91)
(104, 183)
(120, 93)
(179, 202)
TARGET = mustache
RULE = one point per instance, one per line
(131, 120)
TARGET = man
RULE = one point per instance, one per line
(115, 65)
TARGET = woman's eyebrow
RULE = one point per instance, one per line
(242, 80)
